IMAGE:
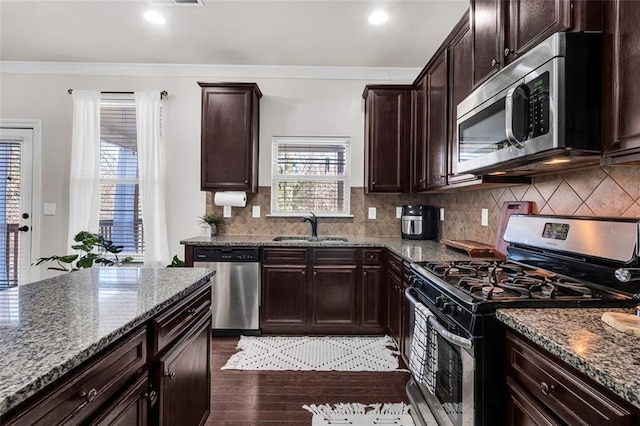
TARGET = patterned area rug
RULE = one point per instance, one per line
(360, 414)
(327, 353)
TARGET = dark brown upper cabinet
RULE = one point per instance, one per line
(419, 136)
(621, 97)
(437, 115)
(504, 30)
(387, 138)
(230, 133)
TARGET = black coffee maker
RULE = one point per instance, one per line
(419, 222)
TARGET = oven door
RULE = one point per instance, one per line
(444, 390)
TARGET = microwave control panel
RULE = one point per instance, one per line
(539, 105)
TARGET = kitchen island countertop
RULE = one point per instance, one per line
(582, 340)
(412, 250)
(49, 327)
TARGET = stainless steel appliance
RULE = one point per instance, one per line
(552, 261)
(236, 290)
(539, 113)
(419, 222)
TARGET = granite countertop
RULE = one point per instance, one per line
(411, 250)
(582, 340)
(51, 326)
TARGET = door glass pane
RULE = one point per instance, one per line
(449, 380)
(9, 213)
(483, 133)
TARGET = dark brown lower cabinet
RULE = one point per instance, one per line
(131, 409)
(185, 378)
(334, 294)
(544, 390)
(394, 306)
(321, 291)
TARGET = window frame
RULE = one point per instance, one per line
(277, 141)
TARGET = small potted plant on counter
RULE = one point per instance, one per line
(212, 221)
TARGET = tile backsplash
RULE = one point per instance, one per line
(599, 191)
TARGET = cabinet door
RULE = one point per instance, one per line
(229, 151)
(130, 409)
(387, 134)
(185, 378)
(460, 86)
(528, 22)
(486, 38)
(371, 297)
(334, 295)
(284, 296)
(394, 306)
(621, 106)
(523, 410)
(437, 123)
(405, 343)
(419, 135)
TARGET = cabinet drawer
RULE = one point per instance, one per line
(284, 256)
(335, 256)
(394, 263)
(176, 319)
(131, 408)
(566, 392)
(86, 390)
(372, 256)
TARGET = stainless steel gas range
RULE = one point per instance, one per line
(458, 360)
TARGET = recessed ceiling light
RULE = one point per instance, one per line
(378, 17)
(155, 17)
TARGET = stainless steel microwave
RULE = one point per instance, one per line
(540, 113)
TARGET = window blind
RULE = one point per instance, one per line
(120, 207)
(10, 155)
(310, 174)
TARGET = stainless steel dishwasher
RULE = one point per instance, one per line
(236, 289)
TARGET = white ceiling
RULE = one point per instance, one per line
(233, 32)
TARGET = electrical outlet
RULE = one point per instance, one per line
(372, 212)
(255, 210)
(226, 211)
(441, 214)
(398, 212)
(484, 217)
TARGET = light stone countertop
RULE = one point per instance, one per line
(582, 340)
(411, 250)
(49, 327)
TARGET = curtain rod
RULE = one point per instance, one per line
(163, 93)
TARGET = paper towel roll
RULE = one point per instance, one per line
(230, 198)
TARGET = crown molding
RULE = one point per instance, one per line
(394, 74)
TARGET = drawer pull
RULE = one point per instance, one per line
(191, 311)
(89, 396)
(171, 374)
(547, 389)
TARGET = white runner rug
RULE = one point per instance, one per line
(327, 353)
(360, 414)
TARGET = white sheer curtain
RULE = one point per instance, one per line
(84, 176)
(151, 178)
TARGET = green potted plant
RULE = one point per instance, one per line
(212, 220)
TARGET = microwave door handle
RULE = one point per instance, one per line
(517, 107)
(449, 336)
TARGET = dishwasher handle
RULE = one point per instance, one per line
(226, 254)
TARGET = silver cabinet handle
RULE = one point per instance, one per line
(494, 62)
(506, 52)
(547, 389)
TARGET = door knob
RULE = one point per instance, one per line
(24, 228)
(494, 62)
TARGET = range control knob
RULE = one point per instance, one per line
(440, 301)
(448, 308)
(413, 281)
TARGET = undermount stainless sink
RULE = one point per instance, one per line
(311, 239)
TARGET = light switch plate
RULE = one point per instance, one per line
(49, 209)
(226, 211)
(372, 212)
(441, 214)
(255, 210)
(398, 212)
(484, 217)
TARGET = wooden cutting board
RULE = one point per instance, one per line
(627, 323)
(473, 248)
(509, 208)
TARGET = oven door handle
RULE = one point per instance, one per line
(449, 336)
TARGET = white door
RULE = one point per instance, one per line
(16, 175)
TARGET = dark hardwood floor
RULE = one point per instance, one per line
(276, 397)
